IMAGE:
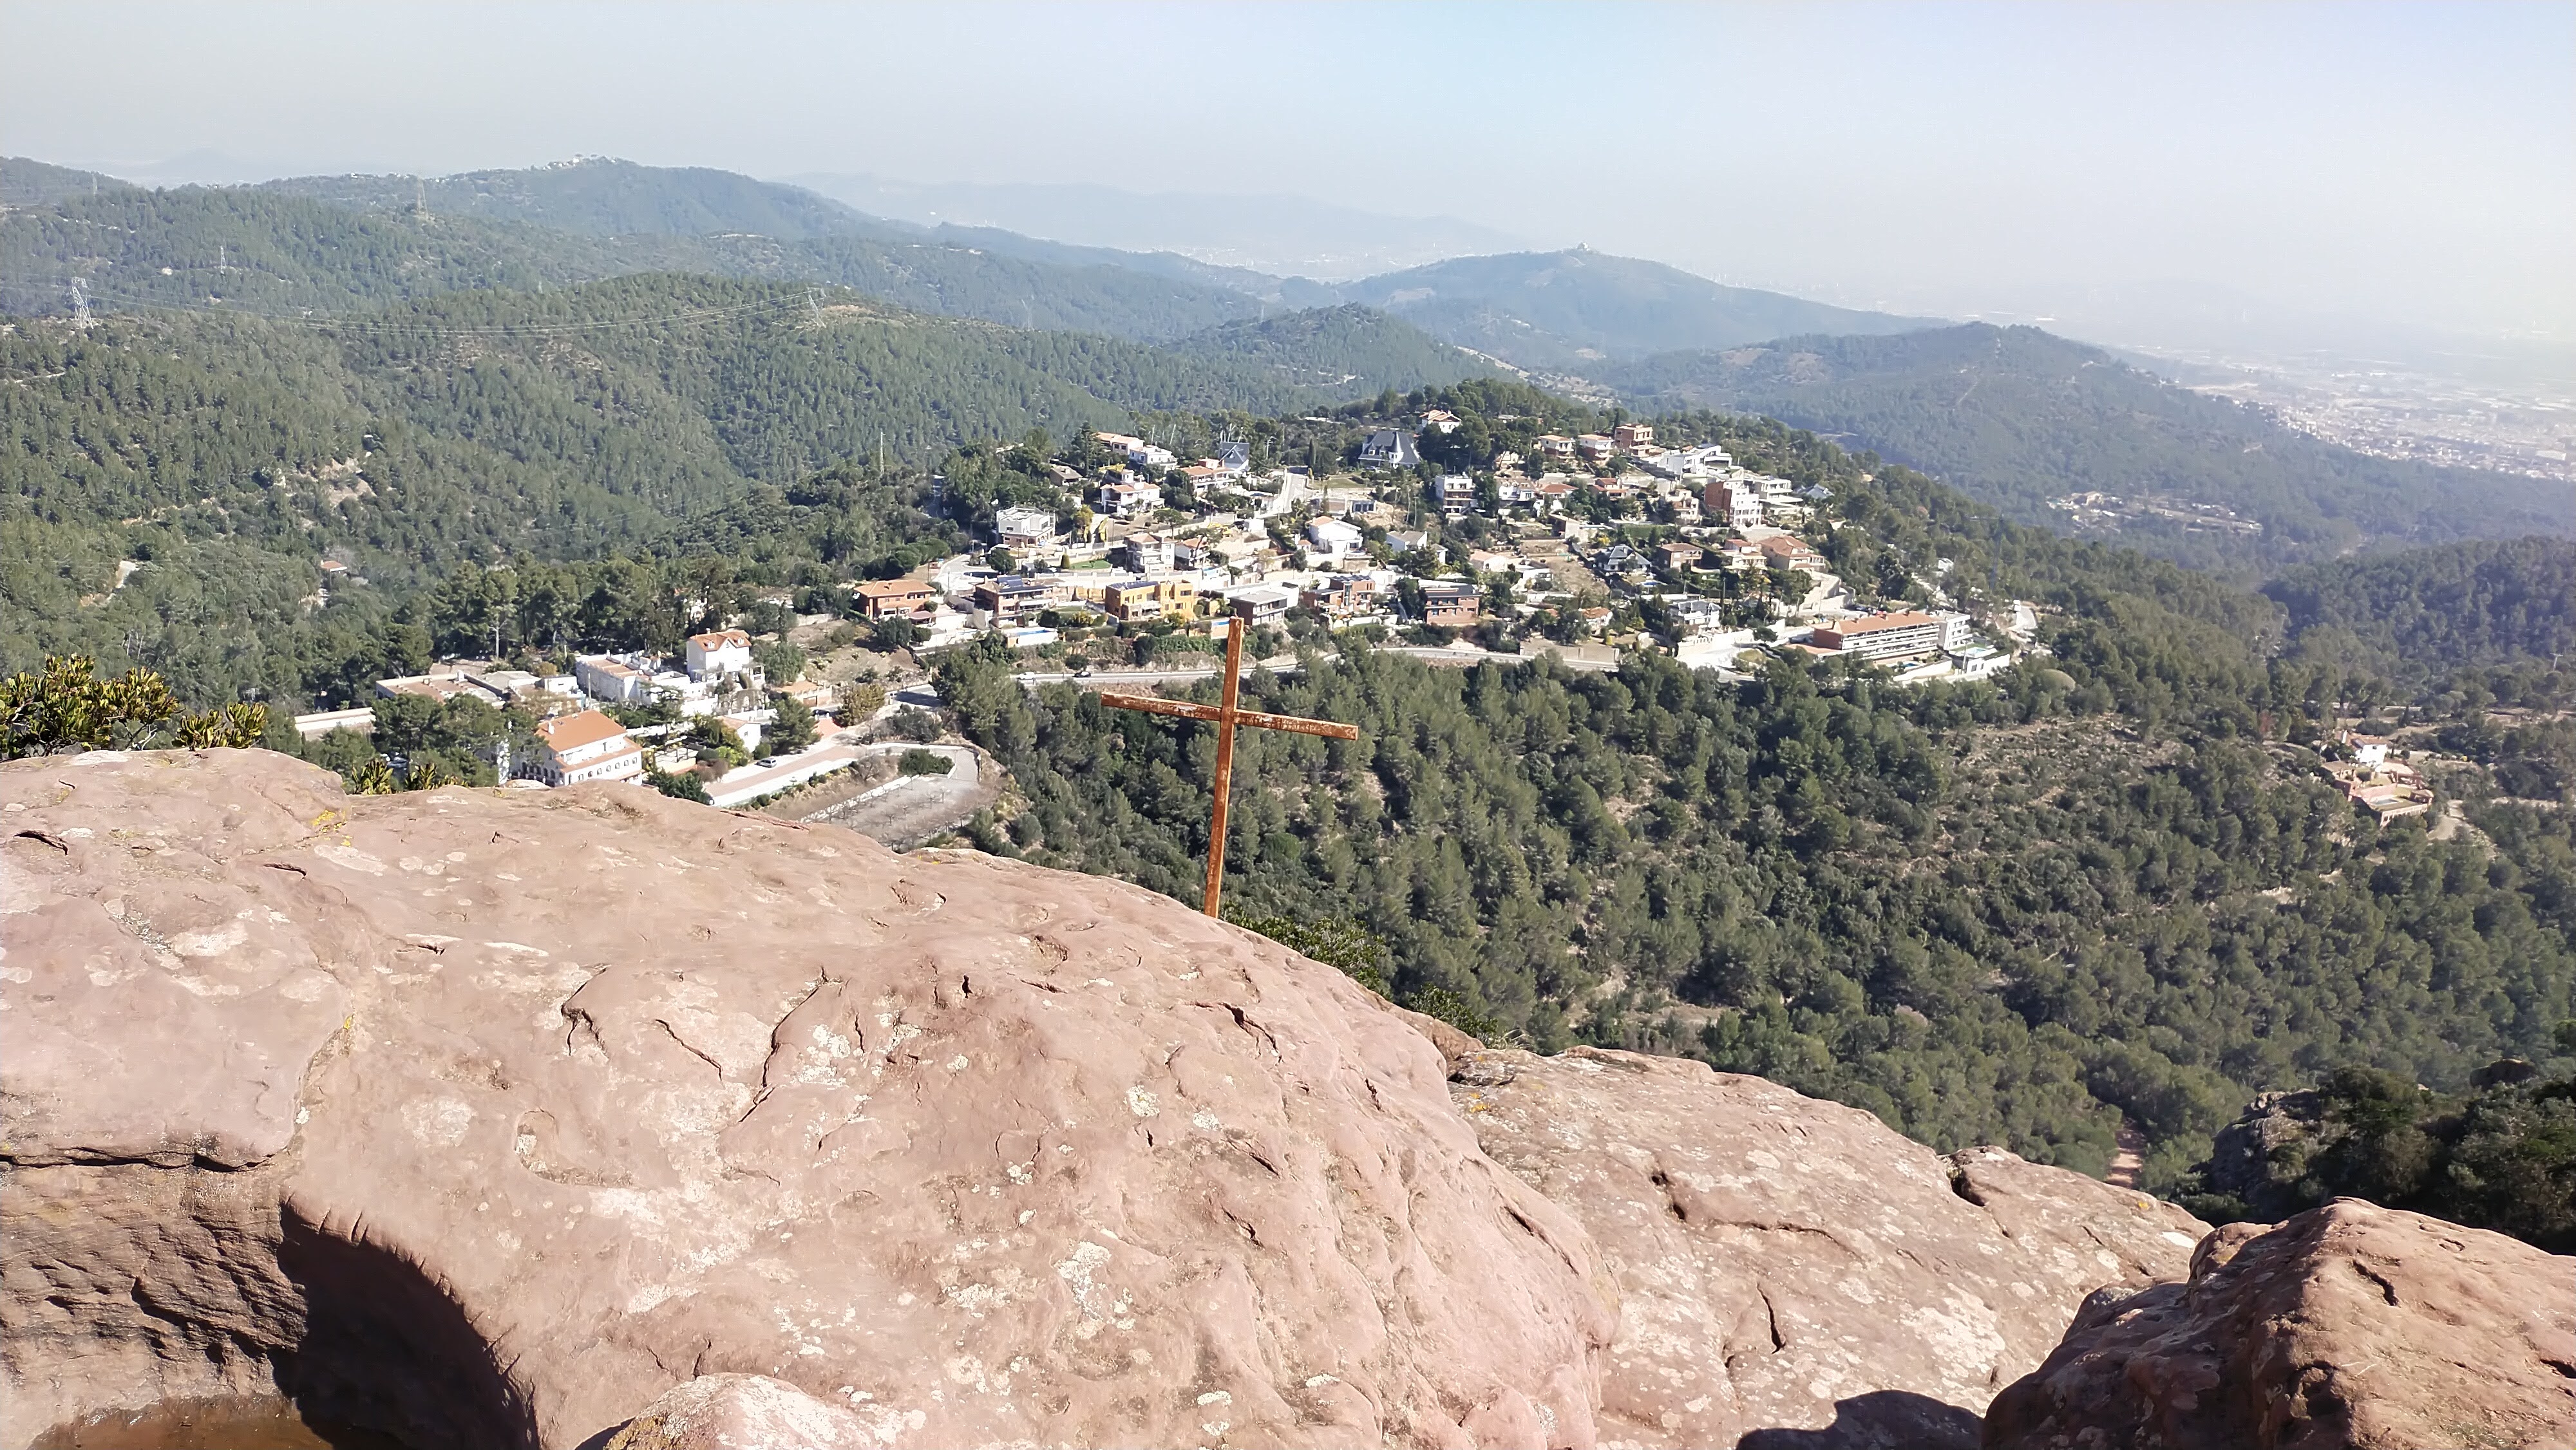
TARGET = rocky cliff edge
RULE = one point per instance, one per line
(512, 1118)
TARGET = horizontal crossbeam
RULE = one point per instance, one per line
(1213, 714)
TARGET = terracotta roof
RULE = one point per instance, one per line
(892, 588)
(571, 732)
(717, 639)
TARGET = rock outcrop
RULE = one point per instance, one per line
(1789, 1265)
(2347, 1326)
(514, 1118)
(510, 1111)
(2254, 1162)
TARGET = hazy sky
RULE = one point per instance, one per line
(2408, 162)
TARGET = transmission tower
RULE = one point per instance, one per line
(80, 305)
(814, 303)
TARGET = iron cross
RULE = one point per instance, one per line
(1226, 717)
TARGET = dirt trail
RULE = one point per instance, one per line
(2131, 1157)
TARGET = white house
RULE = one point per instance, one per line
(608, 678)
(1020, 528)
(1146, 553)
(719, 653)
(1697, 616)
(1263, 604)
(1331, 539)
(1127, 500)
(581, 747)
(1689, 462)
(1138, 451)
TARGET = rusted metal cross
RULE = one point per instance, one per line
(1226, 717)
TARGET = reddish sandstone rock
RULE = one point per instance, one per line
(1796, 1271)
(2348, 1327)
(745, 1412)
(490, 1117)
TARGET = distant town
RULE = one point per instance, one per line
(1136, 562)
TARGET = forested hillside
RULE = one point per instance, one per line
(2018, 418)
(597, 197)
(1348, 350)
(1573, 311)
(228, 454)
(269, 251)
(33, 183)
(2425, 612)
(2102, 884)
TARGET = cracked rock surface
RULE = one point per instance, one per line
(490, 1117)
(509, 1119)
(1795, 1272)
(2348, 1327)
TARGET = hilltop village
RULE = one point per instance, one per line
(1456, 539)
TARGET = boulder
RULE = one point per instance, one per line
(1792, 1272)
(2255, 1162)
(2347, 1326)
(490, 1117)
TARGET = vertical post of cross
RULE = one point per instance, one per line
(1225, 719)
(1225, 716)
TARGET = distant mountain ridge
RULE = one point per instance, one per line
(1273, 234)
(1578, 309)
(2013, 416)
(597, 197)
(333, 244)
(2017, 417)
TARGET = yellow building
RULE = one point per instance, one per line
(1144, 599)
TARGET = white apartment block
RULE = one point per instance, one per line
(1894, 636)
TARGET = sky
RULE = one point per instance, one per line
(2413, 164)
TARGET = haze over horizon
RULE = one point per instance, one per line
(2345, 165)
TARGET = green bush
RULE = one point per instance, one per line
(924, 762)
(682, 786)
(1360, 953)
(2501, 1157)
(67, 707)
